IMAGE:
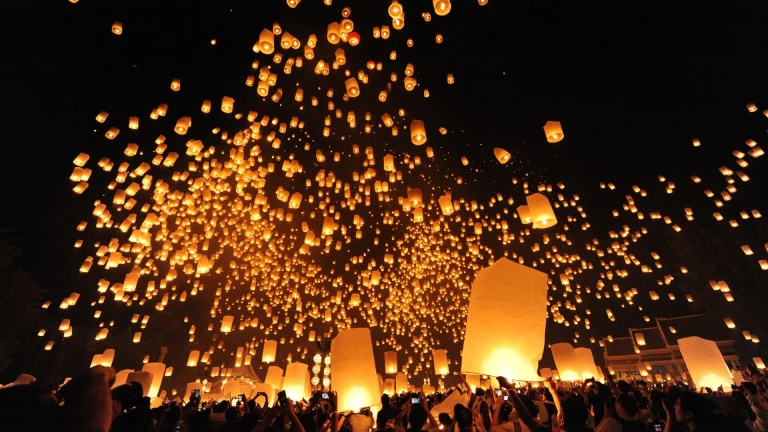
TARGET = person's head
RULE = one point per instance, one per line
(463, 417)
(626, 406)
(417, 417)
(384, 400)
(694, 410)
(221, 407)
(610, 406)
(574, 413)
(127, 395)
(749, 388)
(445, 420)
(624, 387)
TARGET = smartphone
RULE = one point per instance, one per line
(658, 427)
(415, 401)
(498, 392)
(324, 395)
(506, 397)
(281, 398)
(196, 393)
(241, 398)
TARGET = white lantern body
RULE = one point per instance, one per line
(158, 371)
(294, 383)
(355, 378)
(705, 363)
(566, 361)
(517, 296)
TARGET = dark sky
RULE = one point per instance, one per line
(632, 83)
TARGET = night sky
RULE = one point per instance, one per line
(632, 84)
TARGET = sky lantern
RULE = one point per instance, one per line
(385, 32)
(440, 359)
(353, 89)
(274, 378)
(332, 33)
(567, 363)
(446, 206)
(450, 79)
(295, 379)
(270, 351)
(390, 362)
(226, 323)
(442, 7)
(194, 357)
(144, 378)
(158, 371)
(587, 365)
(514, 294)
(414, 197)
(267, 41)
(292, 3)
(395, 9)
(117, 28)
(227, 104)
(418, 132)
(502, 155)
(541, 211)
(553, 131)
(354, 38)
(354, 376)
(705, 363)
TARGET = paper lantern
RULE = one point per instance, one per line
(354, 377)
(553, 131)
(266, 41)
(545, 372)
(295, 380)
(541, 211)
(502, 155)
(143, 378)
(514, 294)
(418, 132)
(117, 28)
(566, 362)
(442, 7)
(158, 371)
(705, 363)
(525, 214)
(640, 339)
(274, 377)
(473, 380)
(414, 197)
(264, 388)
(108, 357)
(332, 33)
(440, 359)
(226, 323)
(758, 362)
(450, 79)
(390, 362)
(446, 206)
(182, 125)
(270, 351)
(353, 89)
(227, 104)
(193, 358)
(587, 365)
(395, 9)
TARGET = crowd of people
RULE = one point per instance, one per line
(88, 403)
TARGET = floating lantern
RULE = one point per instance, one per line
(418, 132)
(511, 293)
(354, 379)
(705, 363)
(553, 131)
(502, 155)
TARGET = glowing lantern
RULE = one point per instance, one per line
(440, 359)
(274, 377)
(354, 377)
(193, 358)
(226, 323)
(541, 211)
(566, 361)
(295, 379)
(267, 41)
(446, 206)
(414, 197)
(390, 362)
(332, 33)
(511, 293)
(182, 125)
(450, 79)
(705, 363)
(117, 28)
(502, 155)
(270, 351)
(353, 89)
(158, 371)
(395, 9)
(292, 4)
(418, 132)
(442, 7)
(758, 362)
(640, 339)
(751, 108)
(587, 365)
(227, 104)
(354, 38)
(206, 108)
(553, 132)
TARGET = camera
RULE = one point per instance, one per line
(324, 395)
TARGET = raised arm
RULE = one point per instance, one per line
(525, 415)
